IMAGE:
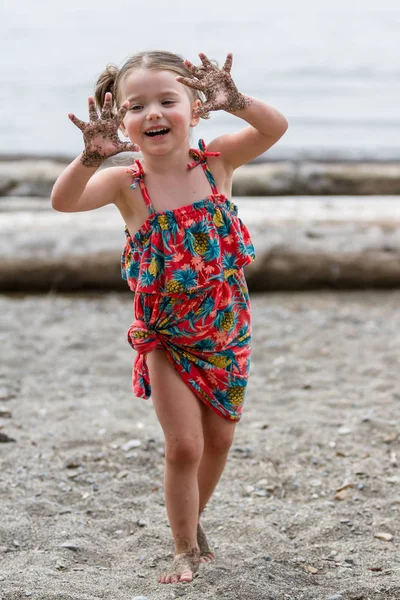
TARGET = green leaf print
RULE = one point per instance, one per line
(213, 251)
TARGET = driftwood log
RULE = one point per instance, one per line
(301, 243)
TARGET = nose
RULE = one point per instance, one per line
(153, 113)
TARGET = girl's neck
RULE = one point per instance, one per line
(175, 161)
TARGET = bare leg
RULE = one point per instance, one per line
(179, 413)
(218, 436)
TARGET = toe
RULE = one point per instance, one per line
(174, 579)
(186, 576)
(206, 558)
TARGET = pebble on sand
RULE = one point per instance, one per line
(131, 444)
(70, 546)
(312, 570)
(4, 438)
(342, 495)
(383, 537)
(141, 523)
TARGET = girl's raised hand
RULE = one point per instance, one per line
(100, 134)
(216, 84)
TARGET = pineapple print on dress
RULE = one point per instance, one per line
(201, 243)
(236, 393)
(184, 281)
(186, 268)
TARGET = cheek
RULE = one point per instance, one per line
(183, 118)
(131, 122)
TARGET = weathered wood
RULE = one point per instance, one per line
(301, 243)
(286, 178)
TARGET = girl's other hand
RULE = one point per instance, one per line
(100, 134)
(216, 84)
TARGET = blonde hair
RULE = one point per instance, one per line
(111, 78)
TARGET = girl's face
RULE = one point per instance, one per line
(160, 112)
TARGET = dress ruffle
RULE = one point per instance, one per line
(188, 248)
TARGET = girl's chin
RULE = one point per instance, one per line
(155, 150)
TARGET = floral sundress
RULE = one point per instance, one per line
(186, 268)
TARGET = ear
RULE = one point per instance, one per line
(195, 118)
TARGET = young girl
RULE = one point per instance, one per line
(184, 257)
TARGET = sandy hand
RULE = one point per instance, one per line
(100, 134)
(216, 84)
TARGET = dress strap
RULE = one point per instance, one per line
(200, 158)
(137, 172)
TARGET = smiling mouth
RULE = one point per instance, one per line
(156, 132)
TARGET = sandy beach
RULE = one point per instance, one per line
(307, 509)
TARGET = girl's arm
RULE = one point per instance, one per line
(79, 187)
(267, 124)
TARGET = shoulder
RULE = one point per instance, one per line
(221, 170)
(117, 174)
(115, 178)
(220, 162)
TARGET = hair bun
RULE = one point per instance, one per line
(106, 83)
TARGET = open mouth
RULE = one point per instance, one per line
(157, 132)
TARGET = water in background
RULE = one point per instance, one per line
(331, 67)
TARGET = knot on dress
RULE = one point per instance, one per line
(200, 156)
(137, 172)
(143, 340)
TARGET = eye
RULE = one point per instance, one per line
(167, 102)
(135, 107)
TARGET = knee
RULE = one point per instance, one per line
(219, 444)
(183, 451)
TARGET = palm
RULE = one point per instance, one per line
(100, 134)
(216, 84)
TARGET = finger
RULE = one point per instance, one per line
(122, 112)
(130, 147)
(197, 71)
(80, 124)
(107, 106)
(198, 112)
(228, 63)
(208, 107)
(190, 66)
(201, 110)
(206, 61)
(93, 116)
(192, 83)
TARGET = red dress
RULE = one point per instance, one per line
(191, 298)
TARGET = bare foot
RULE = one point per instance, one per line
(183, 569)
(206, 554)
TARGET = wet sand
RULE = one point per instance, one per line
(312, 476)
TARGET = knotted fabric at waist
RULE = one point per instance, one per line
(143, 340)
